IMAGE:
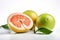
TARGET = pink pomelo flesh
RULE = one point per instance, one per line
(19, 20)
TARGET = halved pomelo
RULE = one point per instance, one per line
(19, 22)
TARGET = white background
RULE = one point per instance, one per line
(40, 6)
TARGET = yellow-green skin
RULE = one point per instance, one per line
(32, 14)
(45, 21)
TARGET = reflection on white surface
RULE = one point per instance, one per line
(7, 35)
(4, 31)
(33, 37)
(29, 36)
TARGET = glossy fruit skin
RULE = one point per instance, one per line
(46, 21)
(32, 14)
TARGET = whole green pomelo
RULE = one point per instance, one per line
(45, 21)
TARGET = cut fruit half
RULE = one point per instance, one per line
(19, 22)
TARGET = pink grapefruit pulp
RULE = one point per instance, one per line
(19, 22)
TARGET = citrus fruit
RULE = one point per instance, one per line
(46, 21)
(32, 14)
(19, 22)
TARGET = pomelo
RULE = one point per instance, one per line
(32, 14)
(19, 22)
(45, 21)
